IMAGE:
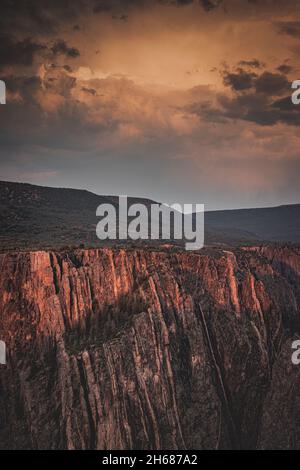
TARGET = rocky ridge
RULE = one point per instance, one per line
(126, 349)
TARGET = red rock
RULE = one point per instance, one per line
(116, 349)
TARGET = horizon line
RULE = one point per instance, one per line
(147, 198)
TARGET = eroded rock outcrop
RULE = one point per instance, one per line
(114, 349)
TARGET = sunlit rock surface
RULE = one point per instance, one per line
(140, 349)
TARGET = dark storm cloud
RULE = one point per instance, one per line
(291, 28)
(263, 98)
(45, 16)
(21, 52)
(260, 109)
(285, 69)
(288, 112)
(25, 86)
(61, 48)
(239, 80)
(271, 83)
(42, 17)
(88, 121)
(253, 108)
(266, 82)
(285, 104)
(254, 63)
(56, 80)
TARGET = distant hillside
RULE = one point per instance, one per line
(41, 217)
(271, 224)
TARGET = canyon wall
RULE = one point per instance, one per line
(141, 349)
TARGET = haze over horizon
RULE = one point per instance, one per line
(145, 196)
(178, 101)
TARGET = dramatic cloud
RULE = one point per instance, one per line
(61, 47)
(43, 17)
(262, 98)
(14, 52)
(272, 84)
(177, 100)
(285, 68)
(260, 110)
(239, 80)
(268, 83)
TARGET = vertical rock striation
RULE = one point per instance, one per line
(126, 349)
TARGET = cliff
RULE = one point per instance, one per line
(126, 349)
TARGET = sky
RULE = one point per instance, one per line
(177, 100)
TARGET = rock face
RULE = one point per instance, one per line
(139, 349)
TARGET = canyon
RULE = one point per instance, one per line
(139, 348)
